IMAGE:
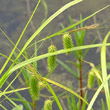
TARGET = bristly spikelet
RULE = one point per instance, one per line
(91, 79)
(48, 105)
(34, 87)
(67, 42)
(41, 85)
(98, 80)
(51, 59)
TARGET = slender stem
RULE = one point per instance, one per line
(80, 78)
(34, 104)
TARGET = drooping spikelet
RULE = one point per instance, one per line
(67, 42)
(91, 79)
(41, 85)
(48, 105)
(51, 59)
(34, 87)
(98, 80)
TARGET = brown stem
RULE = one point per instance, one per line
(80, 78)
(34, 104)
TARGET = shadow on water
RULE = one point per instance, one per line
(14, 15)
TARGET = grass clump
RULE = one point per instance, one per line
(35, 81)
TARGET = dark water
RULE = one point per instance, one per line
(14, 16)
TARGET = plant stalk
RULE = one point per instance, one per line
(80, 78)
(34, 104)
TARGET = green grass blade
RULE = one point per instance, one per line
(71, 26)
(3, 107)
(68, 102)
(55, 96)
(17, 66)
(67, 68)
(6, 57)
(35, 50)
(97, 93)
(33, 36)
(18, 107)
(47, 22)
(22, 99)
(78, 105)
(75, 33)
(73, 99)
(6, 62)
(46, 10)
(104, 70)
(7, 37)
(12, 102)
(84, 104)
(65, 88)
(25, 74)
(103, 104)
(12, 91)
(81, 25)
(74, 63)
(86, 51)
(6, 88)
(82, 37)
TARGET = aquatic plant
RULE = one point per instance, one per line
(35, 81)
(67, 42)
(51, 59)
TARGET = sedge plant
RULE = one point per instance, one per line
(33, 79)
(7, 73)
(79, 55)
(93, 74)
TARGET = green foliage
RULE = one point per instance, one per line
(20, 107)
(51, 59)
(48, 105)
(34, 80)
(104, 70)
(21, 99)
(105, 80)
(67, 42)
(41, 85)
(34, 87)
(67, 68)
(84, 104)
(91, 79)
(103, 105)
(98, 79)
(73, 104)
